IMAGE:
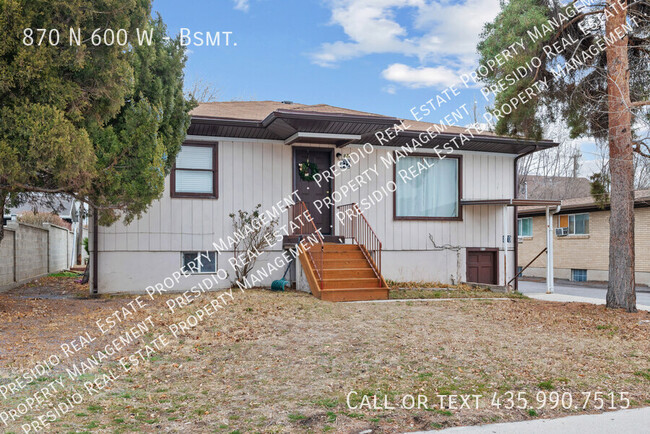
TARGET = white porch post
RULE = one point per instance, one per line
(549, 251)
(505, 245)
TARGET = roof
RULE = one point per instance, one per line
(54, 203)
(277, 120)
(554, 187)
(641, 199)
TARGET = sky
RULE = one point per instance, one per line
(379, 56)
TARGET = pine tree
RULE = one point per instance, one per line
(100, 122)
(589, 64)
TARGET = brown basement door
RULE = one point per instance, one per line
(482, 266)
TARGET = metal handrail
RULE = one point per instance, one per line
(520, 272)
(300, 209)
(361, 233)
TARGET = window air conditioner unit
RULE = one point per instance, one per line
(561, 232)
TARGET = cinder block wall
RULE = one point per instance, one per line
(7, 275)
(28, 252)
(59, 251)
(31, 252)
(588, 252)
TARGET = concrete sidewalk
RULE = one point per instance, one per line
(622, 421)
(564, 298)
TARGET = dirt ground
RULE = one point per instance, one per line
(287, 362)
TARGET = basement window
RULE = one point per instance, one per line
(199, 262)
(578, 275)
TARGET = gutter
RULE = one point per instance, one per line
(515, 238)
(95, 286)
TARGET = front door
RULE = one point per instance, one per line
(309, 190)
(482, 266)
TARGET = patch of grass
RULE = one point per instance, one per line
(295, 417)
(546, 385)
(94, 408)
(532, 412)
(64, 274)
(331, 417)
(643, 374)
(327, 402)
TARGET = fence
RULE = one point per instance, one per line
(28, 252)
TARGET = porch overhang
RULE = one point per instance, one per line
(322, 138)
(510, 202)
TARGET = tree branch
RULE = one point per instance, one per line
(640, 103)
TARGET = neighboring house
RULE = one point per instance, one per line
(581, 240)
(553, 187)
(453, 223)
(63, 206)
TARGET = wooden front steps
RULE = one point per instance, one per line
(347, 274)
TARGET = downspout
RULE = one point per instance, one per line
(515, 238)
(95, 287)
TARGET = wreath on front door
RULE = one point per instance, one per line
(307, 171)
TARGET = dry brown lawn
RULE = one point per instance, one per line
(285, 362)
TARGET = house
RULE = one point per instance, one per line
(63, 206)
(581, 240)
(390, 199)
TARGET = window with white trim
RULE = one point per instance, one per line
(525, 227)
(577, 224)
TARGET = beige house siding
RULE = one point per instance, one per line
(250, 172)
(588, 252)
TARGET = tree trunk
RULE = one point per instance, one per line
(621, 286)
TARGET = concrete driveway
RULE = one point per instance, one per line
(597, 291)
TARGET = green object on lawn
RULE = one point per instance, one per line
(278, 285)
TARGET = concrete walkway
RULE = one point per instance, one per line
(622, 421)
(563, 298)
(580, 289)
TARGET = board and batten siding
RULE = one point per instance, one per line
(143, 253)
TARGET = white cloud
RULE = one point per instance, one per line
(437, 76)
(441, 35)
(242, 5)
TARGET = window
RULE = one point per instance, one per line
(199, 262)
(427, 188)
(578, 275)
(578, 224)
(525, 227)
(195, 172)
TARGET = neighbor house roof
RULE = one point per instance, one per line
(641, 199)
(322, 123)
(554, 187)
(40, 202)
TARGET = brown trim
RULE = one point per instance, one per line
(294, 173)
(511, 202)
(215, 174)
(577, 209)
(496, 262)
(460, 190)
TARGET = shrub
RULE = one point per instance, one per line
(39, 218)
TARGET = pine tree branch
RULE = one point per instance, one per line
(562, 30)
(640, 103)
(638, 148)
